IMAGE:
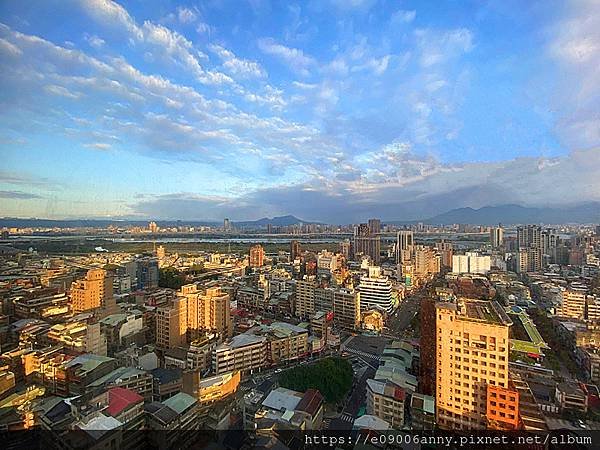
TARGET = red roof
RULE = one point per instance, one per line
(120, 399)
(311, 402)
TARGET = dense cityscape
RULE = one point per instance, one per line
(485, 328)
(299, 224)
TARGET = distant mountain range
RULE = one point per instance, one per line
(10, 222)
(282, 221)
(515, 214)
(488, 215)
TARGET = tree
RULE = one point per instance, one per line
(170, 277)
(332, 377)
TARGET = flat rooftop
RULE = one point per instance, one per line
(486, 311)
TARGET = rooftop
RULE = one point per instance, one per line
(120, 399)
(100, 425)
(486, 311)
(88, 361)
(161, 412)
(423, 402)
(180, 402)
(120, 373)
(113, 319)
(242, 340)
(165, 376)
(311, 402)
(371, 423)
(282, 399)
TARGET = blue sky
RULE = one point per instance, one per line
(330, 110)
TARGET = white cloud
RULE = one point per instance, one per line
(353, 5)
(575, 45)
(173, 46)
(203, 28)
(109, 12)
(7, 47)
(294, 57)
(238, 66)
(396, 184)
(94, 41)
(439, 47)
(62, 91)
(158, 116)
(403, 16)
(376, 65)
(99, 146)
(186, 15)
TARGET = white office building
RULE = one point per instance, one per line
(375, 291)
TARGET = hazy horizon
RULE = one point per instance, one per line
(329, 110)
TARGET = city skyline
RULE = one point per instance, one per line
(331, 111)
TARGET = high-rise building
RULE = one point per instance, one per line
(496, 236)
(257, 256)
(550, 241)
(226, 225)
(367, 243)
(472, 353)
(144, 273)
(404, 245)
(345, 248)
(153, 227)
(346, 309)
(294, 250)
(305, 298)
(374, 226)
(171, 324)
(207, 312)
(529, 238)
(445, 250)
(375, 290)
(426, 262)
(94, 291)
(427, 365)
(522, 261)
(323, 299)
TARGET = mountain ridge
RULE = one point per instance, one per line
(511, 214)
(508, 214)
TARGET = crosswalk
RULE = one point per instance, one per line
(326, 423)
(347, 418)
(363, 354)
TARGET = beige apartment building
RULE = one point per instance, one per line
(92, 292)
(305, 298)
(207, 311)
(285, 341)
(472, 353)
(244, 352)
(573, 304)
(171, 324)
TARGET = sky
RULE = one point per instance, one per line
(330, 110)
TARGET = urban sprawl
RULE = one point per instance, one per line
(372, 327)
